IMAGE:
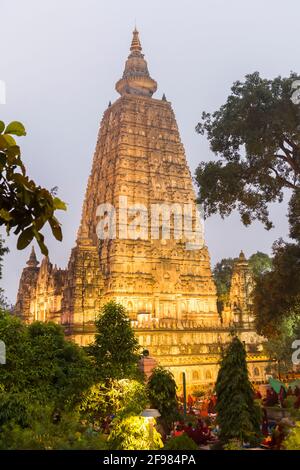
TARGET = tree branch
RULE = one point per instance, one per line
(284, 181)
(288, 158)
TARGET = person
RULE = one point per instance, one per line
(271, 398)
(178, 431)
(258, 395)
(282, 396)
(201, 433)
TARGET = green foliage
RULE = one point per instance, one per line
(40, 362)
(289, 402)
(279, 346)
(3, 250)
(277, 293)
(115, 348)
(183, 442)
(256, 134)
(222, 273)
(238, 415)
(43, 431)
(260, 263)
(292, 441)
(162, 394)
(233, 444)
(294, 216)
(24, 206)
(119, 397)
(133, 433)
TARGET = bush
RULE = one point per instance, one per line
(133, 433)
(289, 402)
(233, 444)
(183, 442)
(292, 441)
(44, 432)
(162, 395)
(122, 397)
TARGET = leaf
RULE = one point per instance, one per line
(56, 229)
(13, 151)
(2, 158)
(6, 141)
(40, 239)
(2, 127)
(15, 128)
(5, 215)
(59, 204)
(25, 238)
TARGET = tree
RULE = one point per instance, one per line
(279, 346)
(133, 433)
(256, 134)
(162, 395)
(3, 250)
(44, 432)
(277, 293)
(292, 441)
(118, 398)
(238, 415)
(222, 273)
(24, 206)
(40, 365)
(115, 348)
(260, 263)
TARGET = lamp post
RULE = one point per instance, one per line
(150, 414)
(184, 393)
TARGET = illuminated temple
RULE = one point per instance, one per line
(166, 285)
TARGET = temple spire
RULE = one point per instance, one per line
(136, 79)
(32, 262)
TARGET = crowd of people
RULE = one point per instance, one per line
(200, 417)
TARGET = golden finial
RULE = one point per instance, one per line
(135, 44)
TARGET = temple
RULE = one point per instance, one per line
(139, 184)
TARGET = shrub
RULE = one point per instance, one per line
(133, 433)
(183, 442)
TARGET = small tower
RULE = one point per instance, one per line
(27, 287)
(240, 290)
(32, 262)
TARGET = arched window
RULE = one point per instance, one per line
(195, 375)
(256, 371)
(208, 375)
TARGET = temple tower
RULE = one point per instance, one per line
(139, 169)
(140, 242)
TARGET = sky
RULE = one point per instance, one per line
(60, 61)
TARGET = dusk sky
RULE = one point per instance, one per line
(60, 61)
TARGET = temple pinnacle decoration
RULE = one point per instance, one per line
(165, 284)
(136, 78)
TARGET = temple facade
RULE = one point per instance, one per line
(140, 242)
